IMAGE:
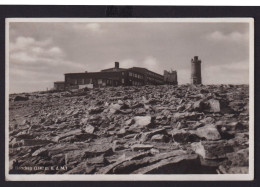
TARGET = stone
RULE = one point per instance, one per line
(82, 168)
(159, 138)
(41, 152)
(21, 98)
(212, 149)
(183, 136)
(199, 105)
(24, 136)
(140, 112)
(209, 132)
(96, 110)
(89, 129)
(147, 135)
(82, 137)
(214, 105)
(142, 121)
(239, 158)
(98, 149)
(109, 169)
(230, 126)
(113, 108)
(122, 132)
(134, 164)
(232, 170)
(67, 134)
(173, 165)
(218, 106)
(207, 120)
(138, 147)
(99, 160)
(31, 142)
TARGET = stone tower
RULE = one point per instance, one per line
(170, 77)
(196, 70)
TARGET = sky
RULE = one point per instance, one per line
(41, 52)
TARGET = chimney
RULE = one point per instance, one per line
(117, 65)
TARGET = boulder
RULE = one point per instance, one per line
(209, 132)
(109, 169)
(239, 158)
(199, 105)
(183, 136)
(173, 165)
(99, 160)
(95, 110)
(89, 129)
(135, 164)
(218, 106)
(20, 98)
(142, 121)
(98, 149)
(212, 149)
(232, 170)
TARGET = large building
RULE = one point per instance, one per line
(116, 76)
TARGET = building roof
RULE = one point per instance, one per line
(59, 82)
(145, 69)
(113, 69)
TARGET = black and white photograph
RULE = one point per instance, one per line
(129, 99)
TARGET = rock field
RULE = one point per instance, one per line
(165, 129)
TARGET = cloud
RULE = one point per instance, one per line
(23, 43)
(233, 36)
(28, 51)
(93, 27)
(233, 73)
(148, 62)
(39, 61)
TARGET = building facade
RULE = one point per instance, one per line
(116, 76)
(170, 77)
(59, 85)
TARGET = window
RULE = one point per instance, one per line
(130, 74)
(99, 81)
(123, 81)
(80, 81)
(123, 73)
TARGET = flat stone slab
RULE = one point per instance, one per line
(173, 165)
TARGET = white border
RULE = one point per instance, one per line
(138, 177)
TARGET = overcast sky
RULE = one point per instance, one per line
(40, 53)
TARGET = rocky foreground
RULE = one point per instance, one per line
(131, 130)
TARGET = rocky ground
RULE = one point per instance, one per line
(131, 130)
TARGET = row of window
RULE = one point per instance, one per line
(81, 81)
(154, 74)
(90, 81)
(135, 83)
(135, 75)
